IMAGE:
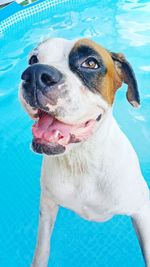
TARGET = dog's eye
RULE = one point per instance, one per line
(33, 60)
(90, 63)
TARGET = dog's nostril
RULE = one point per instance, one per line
(47, 79)
(25, 76)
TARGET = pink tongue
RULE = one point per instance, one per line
(50, 129)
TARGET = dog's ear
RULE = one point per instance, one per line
(126, 75)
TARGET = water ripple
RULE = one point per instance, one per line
(133, 23)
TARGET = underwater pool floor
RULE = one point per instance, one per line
(120, 26)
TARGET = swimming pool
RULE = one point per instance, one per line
(119, 26)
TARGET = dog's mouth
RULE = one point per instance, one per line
(52, 136)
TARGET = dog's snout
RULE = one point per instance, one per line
(41, 75)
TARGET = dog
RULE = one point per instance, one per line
(89, 165)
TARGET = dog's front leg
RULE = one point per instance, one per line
(141, 222)
(48, 212)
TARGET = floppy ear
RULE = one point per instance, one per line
(126, 75)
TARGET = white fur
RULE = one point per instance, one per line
(97, 178)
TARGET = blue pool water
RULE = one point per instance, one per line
(121, 26)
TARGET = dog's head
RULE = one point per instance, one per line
(68, 88)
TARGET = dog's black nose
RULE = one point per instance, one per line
(41, 76)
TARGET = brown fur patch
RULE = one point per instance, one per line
(111, 81)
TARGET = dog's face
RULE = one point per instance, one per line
(68, 87)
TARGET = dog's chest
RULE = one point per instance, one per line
(83, 192)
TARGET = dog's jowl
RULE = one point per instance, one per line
(89, 164)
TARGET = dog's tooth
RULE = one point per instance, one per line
(64, 141)
(56, 134)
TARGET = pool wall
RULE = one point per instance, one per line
(15, 13)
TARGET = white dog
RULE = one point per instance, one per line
(89, 165)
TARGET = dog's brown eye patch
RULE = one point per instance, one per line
(88, 64)
(33, 60)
